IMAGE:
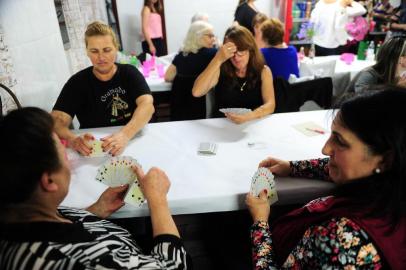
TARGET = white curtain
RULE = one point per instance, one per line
(7, 74)
(78, 14)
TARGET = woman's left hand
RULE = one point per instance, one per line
(259, 207)
(109, 202)
(115, 143)
(238, 118)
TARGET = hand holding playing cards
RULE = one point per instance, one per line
(276, 166)
(258, 206)
(81, 144)
(238, 118)
(115, 143)
(109, 202)
(155, 184)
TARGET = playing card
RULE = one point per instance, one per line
(117, 171)
(264, 179)
(235, 110)
(134, 195)
(310, 129)
(97, 150)
(207, 148)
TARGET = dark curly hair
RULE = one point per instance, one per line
(28, 150)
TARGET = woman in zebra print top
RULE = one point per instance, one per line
(35, 233)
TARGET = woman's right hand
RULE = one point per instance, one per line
(258, 206)
(154, 185)
(276, 166)
(226, 51)
(81, 144)
(152, 49)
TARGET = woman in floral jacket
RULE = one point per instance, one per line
(363, 225)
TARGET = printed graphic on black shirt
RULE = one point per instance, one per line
(117, 104)
(118, 107)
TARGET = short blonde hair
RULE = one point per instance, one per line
(99, 28)
(193, 39)
(272, 31)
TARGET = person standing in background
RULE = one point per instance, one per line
(153, 42)
(330, 18)
(244, 14)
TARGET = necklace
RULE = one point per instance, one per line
(242, 86)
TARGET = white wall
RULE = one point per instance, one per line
(129, 17)
(32, 33)
(177, 18)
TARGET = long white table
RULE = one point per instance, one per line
(341, 67)
(343, 73)
(216, 183)
(157, 84)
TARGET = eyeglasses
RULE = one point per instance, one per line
(210, 35)
(241, 53)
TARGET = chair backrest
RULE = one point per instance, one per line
(319, 70)
(13, 96)
(290, 97)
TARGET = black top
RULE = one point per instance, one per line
(184, 106)
(102, 103)
(236, 93)
(193, 64)
(244, 15)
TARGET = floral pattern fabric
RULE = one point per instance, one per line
(312, 168)
(338, 243)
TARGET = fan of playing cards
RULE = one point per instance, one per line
(117, 171)
(264, 179)
(235, 110)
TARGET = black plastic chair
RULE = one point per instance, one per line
(13, 96)
(290, 97)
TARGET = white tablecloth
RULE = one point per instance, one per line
(157, 84)
(211, 183)
(343, 72)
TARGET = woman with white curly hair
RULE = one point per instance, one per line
(196, 53)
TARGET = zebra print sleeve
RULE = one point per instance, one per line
(86, 243)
